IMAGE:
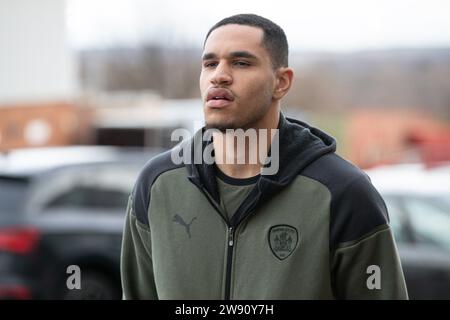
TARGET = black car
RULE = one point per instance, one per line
(418, 202)
(421, 226)
(62, 211)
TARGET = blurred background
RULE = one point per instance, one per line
(90, 90)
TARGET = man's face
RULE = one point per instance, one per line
(237, 78)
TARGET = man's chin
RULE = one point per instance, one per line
(220, 124)
(222, 127)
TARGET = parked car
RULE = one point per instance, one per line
(62, 207)
(418, 201)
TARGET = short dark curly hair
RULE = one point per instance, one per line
(274, 39)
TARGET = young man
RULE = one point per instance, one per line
(313, 227)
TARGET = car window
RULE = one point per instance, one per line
(397, 220)
(444, 200)
(90, 197)
(430, 221)
(12, 193)
(100, 187)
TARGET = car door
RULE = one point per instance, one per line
(427, 255)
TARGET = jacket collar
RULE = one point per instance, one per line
(299, 145)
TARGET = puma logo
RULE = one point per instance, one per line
(179, 220)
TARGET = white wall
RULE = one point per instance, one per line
(35, 61)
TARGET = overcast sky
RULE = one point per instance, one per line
(330, 25)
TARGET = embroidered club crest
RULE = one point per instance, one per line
(283, 240)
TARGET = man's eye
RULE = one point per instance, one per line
(242, 63)
(210, 64)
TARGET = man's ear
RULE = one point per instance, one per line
(284, 78)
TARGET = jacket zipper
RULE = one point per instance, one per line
(230, 232)
(229, 262)
(230, 238)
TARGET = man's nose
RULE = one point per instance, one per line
(221, 75)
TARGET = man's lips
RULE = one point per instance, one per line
(219, 94)
(218, 98)
(219, 103)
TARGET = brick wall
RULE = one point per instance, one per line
(45, 124)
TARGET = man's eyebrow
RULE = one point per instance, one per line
(208, 56)
(243, 54)
(234, 54)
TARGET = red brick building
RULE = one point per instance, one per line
(377, 137)
(43, 124)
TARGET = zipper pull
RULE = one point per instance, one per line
(230, 237)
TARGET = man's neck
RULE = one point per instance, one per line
(244, 160)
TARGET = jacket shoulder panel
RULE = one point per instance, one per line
(146, 178)
(356, 206)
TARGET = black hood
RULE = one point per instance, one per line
(299, 146)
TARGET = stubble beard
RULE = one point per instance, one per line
(249, 121)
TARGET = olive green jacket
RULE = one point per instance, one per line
(317, 229)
